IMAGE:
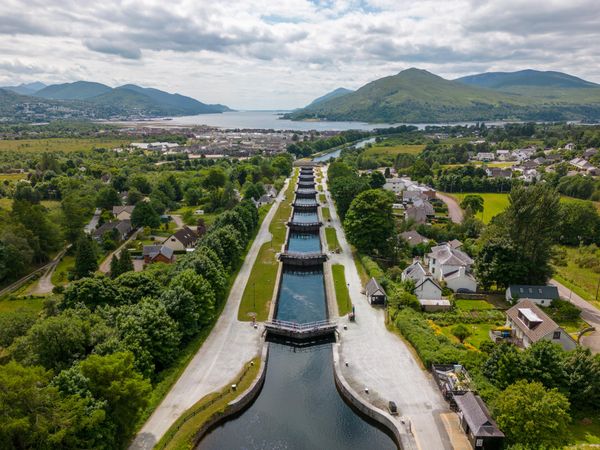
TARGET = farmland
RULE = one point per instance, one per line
(59, 144)
(389, 149)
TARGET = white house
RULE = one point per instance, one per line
(182, 239)
(450, 264)
(529, 324)
(485, 156)
(428, 289)
(395, 185)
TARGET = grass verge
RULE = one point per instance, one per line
(261, 283)
(326, 213)
(182, 433)
(331, 237)
(60, 275)
(341, 289)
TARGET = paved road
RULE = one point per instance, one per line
(380, 361)
(44, 285)
(589, 313)
(230, 345)
(93, 223)
(454, 210)
(105, 265)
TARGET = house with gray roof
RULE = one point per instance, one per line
(121, 229)
(540, 295)
(475, 419)
(448, 263)
(158, 253)
(375, 293)
(413, 238)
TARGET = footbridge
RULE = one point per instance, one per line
(301, 331)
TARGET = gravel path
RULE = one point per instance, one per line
(454, 210)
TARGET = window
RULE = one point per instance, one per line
(479, 443)
(556, 335)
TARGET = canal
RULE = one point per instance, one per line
(299, 407)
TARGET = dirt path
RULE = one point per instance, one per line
(454, 210)
(44, 285)
(589, 313)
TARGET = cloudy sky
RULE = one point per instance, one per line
(263, 54)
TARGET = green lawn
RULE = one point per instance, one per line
(493, 204)
(326, 213)
(479, 333)
(331, 236)
(29, 304)
(322, 199)
(261, 283)
(583, 432)
(582, 280)
(341, 289)
(473, 305)
(501, 164)
(59, 277)
(383, 149)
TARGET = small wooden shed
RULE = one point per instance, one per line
(475, 419)
(375, 293)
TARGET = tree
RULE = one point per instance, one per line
(147, 331)
(125, 262)
(206, 263)
(76, 209)
(503, 366)
(543, 362)
(114, 379)
(107, 198)
(472, 204)
(345, 189)
(134, 286)
(254, 191)
(115, 266)
(579, 223)
(14, 324)
(531, 415)
(91, 292)
(144, 215)
(461, 332)
(582, 378)
(498, 263)
(377, 180)
(86, 262)
(531, 225)
(203, 295)
(369, 223)
(215, 178)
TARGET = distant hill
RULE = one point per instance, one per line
(508, 80)
(415, 95)
(26, 88)
(89, 100)
(333, 94)
(79, 90)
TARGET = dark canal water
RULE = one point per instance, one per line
(299, 407)
(306, 217)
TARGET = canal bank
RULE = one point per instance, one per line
(299, 406)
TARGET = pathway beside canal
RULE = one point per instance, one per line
(380, 361)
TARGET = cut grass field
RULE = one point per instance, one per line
(582, 280)
(392, 150)
(6, 204)
(479, 333)
(60, 144)
(473, 305)
(28, 304)
(261, 283)
(182, 433)
(341, 289)
(331, 237)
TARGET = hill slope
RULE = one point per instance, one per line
(507, 80)
(26, 88)
(330, 95)
(79, 90)
(416, 95)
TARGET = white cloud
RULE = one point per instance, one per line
(267, 54)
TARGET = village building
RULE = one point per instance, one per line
(120, 228)
(485, 156)
(529, 324)
(123, 212)
(498, 172)
(158, 253)
(453, 266)
(182, 239)
(395, 185)
(540, 295)
(504, 155)
(475, 419)
(414, 238)
(427, 289)
(375, 293)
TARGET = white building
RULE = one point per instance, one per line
(450, 264)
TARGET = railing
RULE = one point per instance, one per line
(285, 325)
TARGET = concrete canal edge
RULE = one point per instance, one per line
(242, 402)
(403, 439)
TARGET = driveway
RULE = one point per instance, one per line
(454, 210)
(230, 345)
(105, 265)
(589, 313)
(380, 361)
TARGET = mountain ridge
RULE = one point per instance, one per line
(332, 94)
(416, 95)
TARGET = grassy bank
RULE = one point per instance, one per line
(261, 283)
(582, 280)
(331, 237)
(182, 433)
(341, 289)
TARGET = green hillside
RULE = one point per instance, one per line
(419, 96)
(330, 95)
(79, 90)
(532, 78)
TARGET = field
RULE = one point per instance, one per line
(12, 176)
(28, 304)
(501, 164)
(66, 264)
(331, 236)
(60, 145)
(341, 289)
(582, 280)
(473, 305)
(392, 150)
(479, 333)
(493, 204)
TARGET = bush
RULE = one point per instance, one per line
(563, 311)
(372, 268)
(461, 332)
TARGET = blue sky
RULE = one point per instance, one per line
(281, 54)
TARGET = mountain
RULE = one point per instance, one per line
(26, 88)
(333, 94)
(508, 80)
(415, 95)
(89, 100)
(79, 90)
